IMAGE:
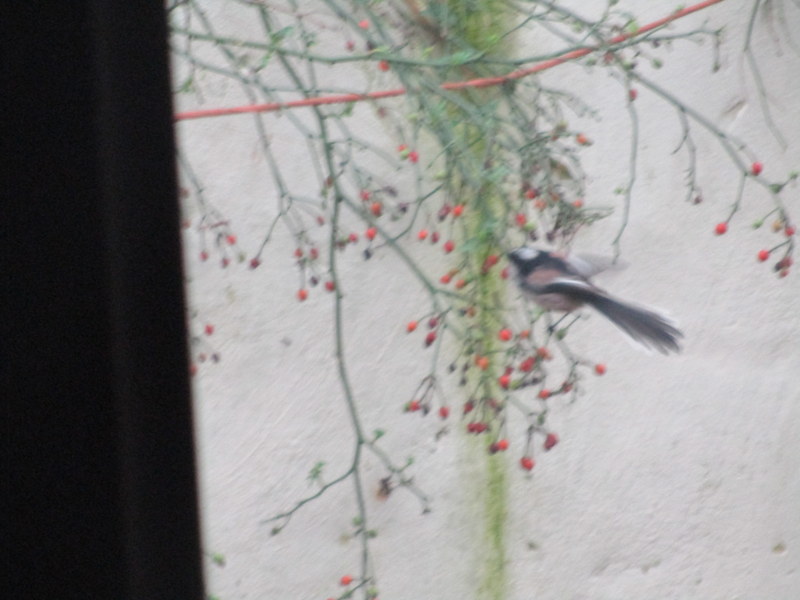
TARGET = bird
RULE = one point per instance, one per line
(560, 283)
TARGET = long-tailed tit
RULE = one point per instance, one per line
(562, 284)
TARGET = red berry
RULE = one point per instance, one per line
(204, 256)
(430, 338)
(448, 246)
(192, 370)
(490, 261)
(376, 209)
(763, 255)
(350, 45)
(550, 441)
(544, 393)
(721, 228)
(413, 156)
(346, 579)
(371, 233)
(530, 193)
(365, 195)
(413, 406)
(632, 93)
(423, 233)
(520, 219)
(225, 262)
(577, 203)
(384, 65)
(353, 238)
(313, 254)
(435, 237)
(468, 406)
(209, 329)
(254, 262)
(790, 230)
(527, 364)
(461, 283)
(433, 322)
(502, 444)
(231, 239)
(412, 325)
(302, 294)
(444, 412)
(600, 368)
(364, 24)
(582, 139)
(504, 381)
(298, 253)
(543, 353)
(482, 362)
(445, 279)
(505, 334)
(330, 286)
(504, 273)
(458, 210)
(756, 168)
(527, 463)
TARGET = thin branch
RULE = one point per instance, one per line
(455, 85)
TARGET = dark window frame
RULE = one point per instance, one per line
(99, 439)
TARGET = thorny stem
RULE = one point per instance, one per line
(344, 377)
(725, 140)
(634, 151)
(756, 72)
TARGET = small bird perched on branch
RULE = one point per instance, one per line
(560, 283)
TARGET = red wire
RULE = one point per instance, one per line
(454, 85)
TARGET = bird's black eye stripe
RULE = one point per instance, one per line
(543, 261)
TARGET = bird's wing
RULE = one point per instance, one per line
(587, 265)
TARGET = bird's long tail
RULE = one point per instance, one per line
(643, 325)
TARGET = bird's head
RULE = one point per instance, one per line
(525, 259)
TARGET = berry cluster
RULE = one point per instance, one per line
(522, 364)
(781, 226)
(202, 350)
(225, 241)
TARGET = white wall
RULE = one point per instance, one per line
(676, 477)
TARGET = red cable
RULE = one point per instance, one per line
(454, 85)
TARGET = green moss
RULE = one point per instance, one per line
(494, 582)
(480, 25)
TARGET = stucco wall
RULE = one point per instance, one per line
(676, 477)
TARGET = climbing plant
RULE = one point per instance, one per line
(490, 156)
